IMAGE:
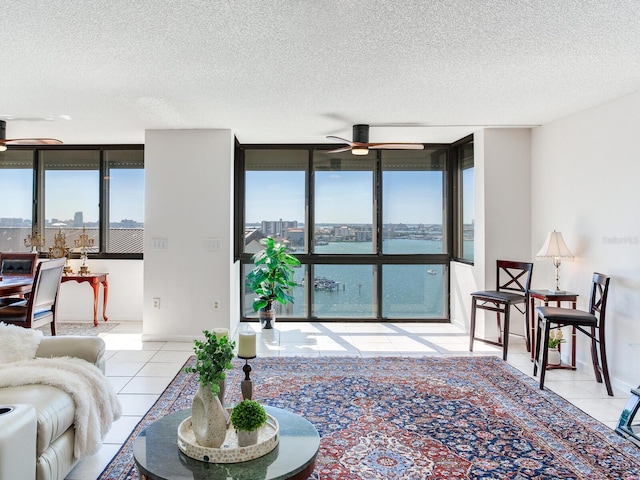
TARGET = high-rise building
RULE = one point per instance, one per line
(78, 220)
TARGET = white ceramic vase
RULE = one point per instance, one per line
(246, 439)
(553, 357)
(208, 418)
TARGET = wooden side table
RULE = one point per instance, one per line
(547, 296)
(94, 279)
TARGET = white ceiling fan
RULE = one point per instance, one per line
(360, 144)
(4, 141)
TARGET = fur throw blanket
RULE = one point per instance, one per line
(97, 405)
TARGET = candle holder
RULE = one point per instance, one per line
(83, 242)
(35, 240)
(246, 386)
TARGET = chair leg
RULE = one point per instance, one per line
(472, 325)
(527, 320)
(545, 353)
(500, 341)
(505, 340)
(603, 362)
(594, 355)
(53, 328)
(536, 357)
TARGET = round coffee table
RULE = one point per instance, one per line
(157, 456)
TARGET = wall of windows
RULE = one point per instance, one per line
(373, 232)
(71, 189)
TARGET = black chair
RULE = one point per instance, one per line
(40, 308)
(16, 264)
(513, 281)
(591, 323)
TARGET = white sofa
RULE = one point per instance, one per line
(51, 409)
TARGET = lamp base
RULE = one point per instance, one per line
(557, 292)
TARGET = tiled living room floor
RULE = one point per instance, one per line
(140, 371)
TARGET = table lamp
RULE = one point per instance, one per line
(247, 351)
(554, 247)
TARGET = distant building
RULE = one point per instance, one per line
(295, 236)
(78, 219)
(276, 228)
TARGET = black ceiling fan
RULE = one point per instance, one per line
(4, 141)
(360, 144)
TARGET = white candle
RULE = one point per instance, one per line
(247, 345)
(221, 332)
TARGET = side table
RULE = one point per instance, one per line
(158, 457)
(94, 279)
(628, 425)
(547, 296)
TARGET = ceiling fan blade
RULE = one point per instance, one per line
(340, 139)
(30, 141)
(339, 150)
(398, 146)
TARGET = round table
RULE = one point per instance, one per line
(157, 456)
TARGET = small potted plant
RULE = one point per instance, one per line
(271, 279)
(208, 417)
(555, 339)
(247, 417)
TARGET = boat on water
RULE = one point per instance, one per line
(431, 271)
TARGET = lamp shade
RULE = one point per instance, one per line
(555, 247)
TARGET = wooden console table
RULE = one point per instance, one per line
(94, 279)
(547, 296)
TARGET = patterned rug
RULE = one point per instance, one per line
(79, 328)
(420, 418)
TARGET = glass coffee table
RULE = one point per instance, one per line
(157, 456)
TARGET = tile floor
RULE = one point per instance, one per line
(140, 371)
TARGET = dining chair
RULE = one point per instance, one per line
(590, 322)
(513, 281)
(16, 264)
(40, 307)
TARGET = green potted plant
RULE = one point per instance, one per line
(208, 417)
(247, 417)
(271, 279)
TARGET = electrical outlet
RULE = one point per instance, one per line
(156, 302)
(216, 304)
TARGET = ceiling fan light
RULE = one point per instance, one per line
(359, 150)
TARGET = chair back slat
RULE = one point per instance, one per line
(598, 296)
(513, 276)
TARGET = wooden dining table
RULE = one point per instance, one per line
(15, 285)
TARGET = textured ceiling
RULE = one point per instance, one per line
(294, 71)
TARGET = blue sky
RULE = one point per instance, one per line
(345, 196)
(68, 192)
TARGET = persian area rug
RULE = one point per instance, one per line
(79, 328)
(420, 418)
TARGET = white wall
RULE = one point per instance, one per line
(502, 169)
(188, 200)
(124, 302)
(585, 176)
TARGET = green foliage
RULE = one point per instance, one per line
(214, 357)
(272, 276)
(248, 415)
(555, 338)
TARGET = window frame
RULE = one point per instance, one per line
(457, 199)
(376, 259)
(38, 192)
